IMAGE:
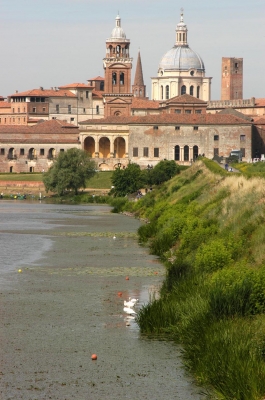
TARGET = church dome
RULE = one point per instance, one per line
(118, 32)
(181, 58)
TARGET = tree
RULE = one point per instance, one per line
(164, 171)
(70, 170)
(127, 180)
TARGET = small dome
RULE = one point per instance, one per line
(181, 58)
(118, 32)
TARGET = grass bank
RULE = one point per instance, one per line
(208, 229)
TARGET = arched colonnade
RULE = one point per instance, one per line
(106, 147)
(185, 153)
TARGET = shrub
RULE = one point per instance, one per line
(212, 256)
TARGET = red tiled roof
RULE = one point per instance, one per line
(138, 103)
(97, 93)
(5, 104)
(163, 119)
(76, 85)
(44, 93)
(185, 99)
(52, 126)
(260, 102)
(259, 121)
(98, 78)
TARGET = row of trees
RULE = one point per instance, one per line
(133, 178)
(72, 168)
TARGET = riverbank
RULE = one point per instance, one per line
(207, 227)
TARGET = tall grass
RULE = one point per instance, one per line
(208, 228)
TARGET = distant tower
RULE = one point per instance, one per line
(117, 65)
(232, 78)
(139, 88)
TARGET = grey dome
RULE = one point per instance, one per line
(118, 32)
(181, 58)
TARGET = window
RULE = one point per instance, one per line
(97, 109)
(177, 111)
(183, 89)
(22, 152)
(198, 92)
(155, 127)
(13, 110)
(243, 152)
(236, 65)
(41, 152)
(114, 78)
(121, 78)
(57, 108)
(195, 128)
(187, 111)
(18, 110)
(69, 109)
(72, 119)
(167, 92)
(177, 128)
(24, 109)
(86, 94)
(191, 90)
(145, 153)
(242, 138)
(216, 151)
(198, 111)
(2, 152)
(156, 152)
(162, 93)
(135, 152)
(44, 109)
(61, 150)
(0, 120)
(34, 109)
(84, 110)
(216, 137)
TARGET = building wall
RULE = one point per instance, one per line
(206, 138)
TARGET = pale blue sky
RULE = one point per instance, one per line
(56, 42)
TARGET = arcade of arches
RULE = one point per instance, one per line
(185, 153)
(105, 147)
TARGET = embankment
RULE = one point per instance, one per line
(208, 228)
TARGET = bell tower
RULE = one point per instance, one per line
(118, 66)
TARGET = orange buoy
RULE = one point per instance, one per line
(119, 294)
(127, 278)
(94, 357)
(155, 273)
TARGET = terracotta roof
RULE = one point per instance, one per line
(98, 78)
(232, 111)
(260, 102)
(139, 103)
(76, 85)
(163, 119)
(52, 126)
(44, 93)
(185, 99)
(5, 104)
(97, 93)
(259, 121)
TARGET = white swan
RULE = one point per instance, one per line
(130, 303)
(129, 310)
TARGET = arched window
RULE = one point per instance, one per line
(195, 152)
(176, 156)
(167, 92)
(191, 90)
(118, 49)
(121, 78)
(186, 153)
(183, 89)
(114, 78)
(198, 92)
(162, 93)
(101, 86)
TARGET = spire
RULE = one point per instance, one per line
(138, 78)
(138, 87)
(181, 32)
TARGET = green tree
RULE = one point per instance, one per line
(127, 180)
(164, 171)
(70, 170)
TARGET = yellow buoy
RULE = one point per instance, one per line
(20, 270)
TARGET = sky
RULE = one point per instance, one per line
(51, 43)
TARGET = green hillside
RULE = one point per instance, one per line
(207, 226)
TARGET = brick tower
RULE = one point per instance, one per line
(139, 88)
(117, 65)
(232, 78)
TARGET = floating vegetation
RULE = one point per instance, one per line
(132, 235)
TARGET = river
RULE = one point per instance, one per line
(65, 272)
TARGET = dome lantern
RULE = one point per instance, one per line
(181, 32)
